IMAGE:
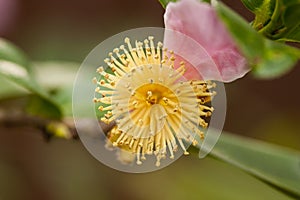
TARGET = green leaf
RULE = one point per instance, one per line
(248, 39)
(277, 60)
(11, 53)
(285, 21)
(269, 58)
(292, 36)
(273, 164)
(164, 3)
(42, 108)
(59, 80)
(290, 18)
(63, 95)
(14, 66)
(11, 90)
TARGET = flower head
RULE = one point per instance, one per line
(200, 22)
(155, 108)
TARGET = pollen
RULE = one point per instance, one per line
(155, 108)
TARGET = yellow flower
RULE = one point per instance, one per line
(155, 108)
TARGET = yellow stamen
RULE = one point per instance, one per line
(154, 109)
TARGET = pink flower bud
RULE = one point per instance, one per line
(199, 21)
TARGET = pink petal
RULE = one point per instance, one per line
(200, 22)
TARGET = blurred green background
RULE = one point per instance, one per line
(31, 168)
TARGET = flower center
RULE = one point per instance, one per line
(148, 95)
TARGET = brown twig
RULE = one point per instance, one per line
(48, 128)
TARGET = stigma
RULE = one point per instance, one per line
(156, 110)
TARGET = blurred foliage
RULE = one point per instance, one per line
(11, 53)
(276, 19)
(276, 165)
(15, 67)
(57, 78)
